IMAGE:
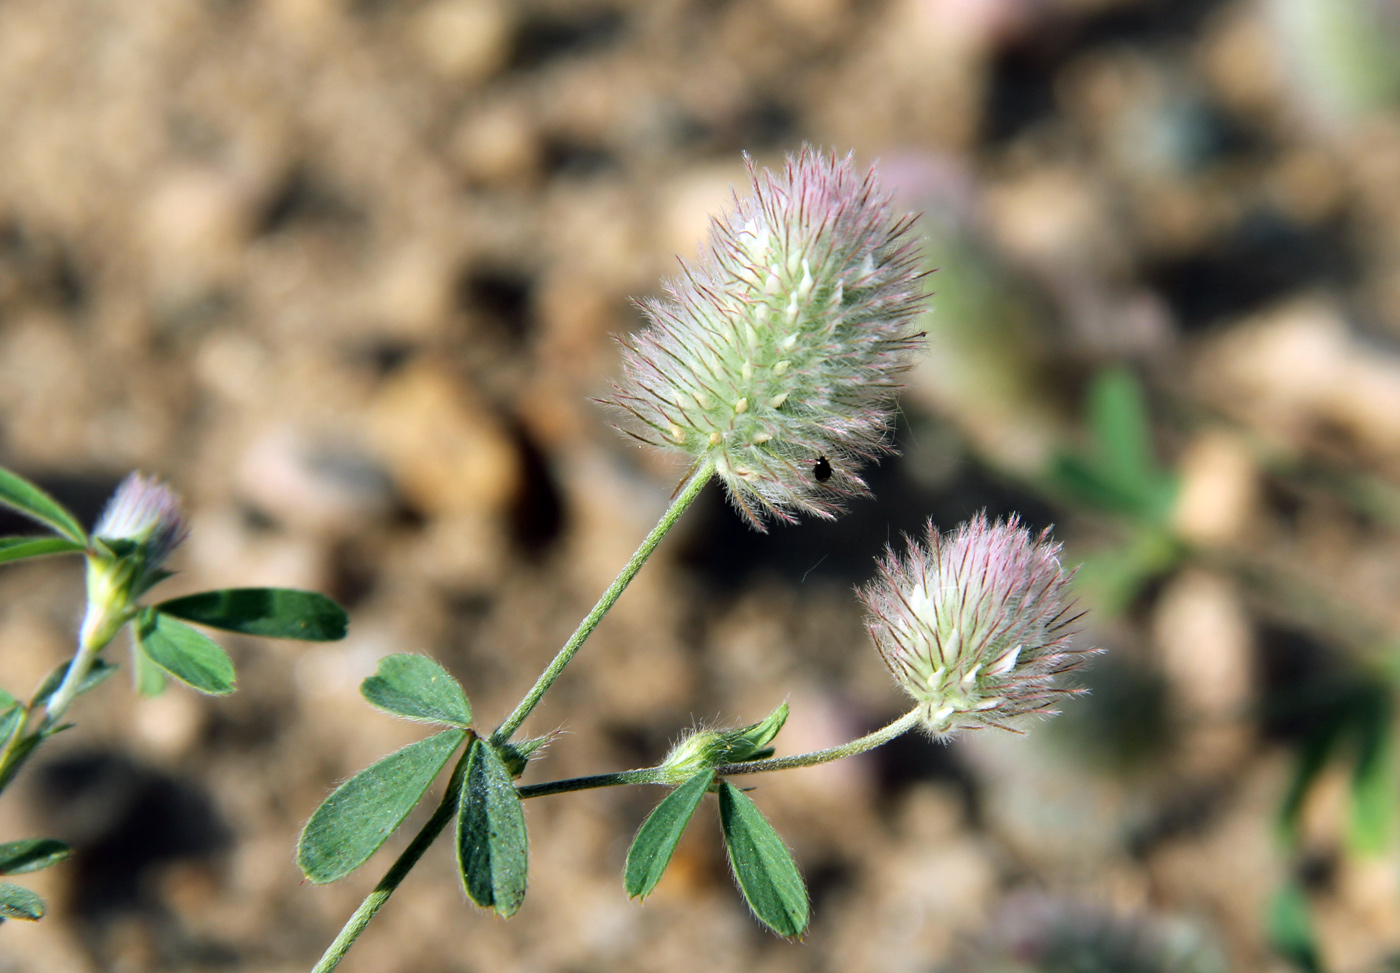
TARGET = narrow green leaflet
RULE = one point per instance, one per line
(1375, 792)
(18, 548)
(17, 902)
(191, 657)
(31, 855)
(11, 717)
(19, 494)
(1290, 929)
(656, 840)
(417, 688)
(147, 678)
(492, 846)
(1121, 472)
(276, 613)
(1122, 429)
(96, 675)
(766, 873)
(361, 813)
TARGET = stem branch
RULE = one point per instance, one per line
(868, 742)
(689, 492)
(657, 775)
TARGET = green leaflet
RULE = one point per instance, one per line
(417, 688)
(278, 613)
(1120, 473)
(17, 902)
(656, 840)
(361, 813)
(19, 494)
(191, 657)
(11, 717)
(766, 873)
(492, 845)
(31, 855)
(1289, 927)
(17, 548)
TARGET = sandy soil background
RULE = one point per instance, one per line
(344, 272)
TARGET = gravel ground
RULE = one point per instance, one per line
(345, 272)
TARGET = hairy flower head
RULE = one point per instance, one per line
(975, 625)
(777, 355)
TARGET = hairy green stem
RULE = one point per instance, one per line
(870, 741)
(397, 872)
(23, 741)
(647, 775)
(687, 495)
(657, 775)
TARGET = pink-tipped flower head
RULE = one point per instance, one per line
(145, 512)
(777, 356)
(975, 625)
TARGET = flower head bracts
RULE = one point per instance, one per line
(777, 356)
(975, 625)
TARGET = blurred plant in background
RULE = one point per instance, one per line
(140, 528)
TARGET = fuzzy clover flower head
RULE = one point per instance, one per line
(146, 513)
(778, 354)
(976, 625)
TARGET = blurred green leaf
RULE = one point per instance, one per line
(97, 674)
(191, 657)
(1120, 473)
(1111, 579)
(31, 855)
(1290, 930)
(17, 902)
(19, 494)
(147, 678)
(417, 688)
(656, 840)
(17, 548)
(11, 717)
(279, 613)
(361, 813)
(766, 873)
(492, 844)
(1375, 789)
(1316, 747)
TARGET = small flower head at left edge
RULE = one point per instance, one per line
(141, 525)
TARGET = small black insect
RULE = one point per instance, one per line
(821, 469)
